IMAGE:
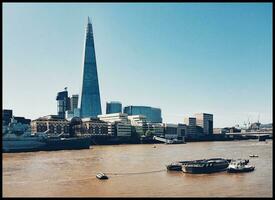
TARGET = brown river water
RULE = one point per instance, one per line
(71, 173)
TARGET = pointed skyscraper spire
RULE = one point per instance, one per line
(90, 105)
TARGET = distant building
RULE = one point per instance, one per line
(53, 124)
(137, 120)
(113, 107)
(95, 127)
(6, 116)
(118, 124)
(63, 103)
(205, 121)
(23, 120)
(152, 114)
(74, 111)
(115, 117)
(74, 102)
(174, 131)
(191, 125)
(182, 130)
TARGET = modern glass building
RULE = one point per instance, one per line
(90, 105)
(152, 114)
(63, 103)
(113, 107)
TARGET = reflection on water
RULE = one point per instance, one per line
(72, 173)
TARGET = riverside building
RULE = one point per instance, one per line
(55, 125)
(95, 127)
(205, 121)
(191, 125)
(118, 124)
(174, 131)
(152, 114)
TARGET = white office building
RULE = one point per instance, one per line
(118, 124)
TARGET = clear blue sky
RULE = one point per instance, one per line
(182, 57)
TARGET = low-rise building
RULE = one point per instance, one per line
(95, 127)
(118, 124)
(170, 131)
(53, 124)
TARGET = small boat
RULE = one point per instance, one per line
(253, 155)
(174, 167)
(239, 166)
(101, 175)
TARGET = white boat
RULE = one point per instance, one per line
(101, 175)
(239, 166)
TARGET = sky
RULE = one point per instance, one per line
(184, 58)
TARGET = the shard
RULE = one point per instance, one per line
(90, 105)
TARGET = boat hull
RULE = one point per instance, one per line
(26, 145)
(51, 144)
(67, 144)
(247, 169)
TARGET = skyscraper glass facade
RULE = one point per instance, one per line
(152, 114)
(63, 103)
(90, 105)
(113, 107)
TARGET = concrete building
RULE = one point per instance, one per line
(113, 107)
(115, 117)
(137, 120)
(153, 115)
(95, 127)
(156, 128)
(182, 130)
(55, 125)
(174, 131)
(191, 125)
(90, 105)
(205, 121)
(118, 124)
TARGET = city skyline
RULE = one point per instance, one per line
(132, 65)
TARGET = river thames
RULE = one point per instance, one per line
(71, 173)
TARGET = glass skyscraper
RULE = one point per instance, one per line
(152, 114)
(113, 107)
(90, 105)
